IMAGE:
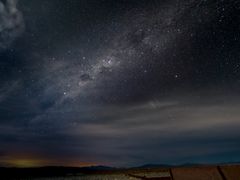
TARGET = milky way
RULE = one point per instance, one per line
(119, 83)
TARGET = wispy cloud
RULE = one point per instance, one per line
(11, 23)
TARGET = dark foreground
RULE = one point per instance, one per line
(224, 172)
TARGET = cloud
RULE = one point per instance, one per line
(8, 88)
(11, 23)
(175, 130)
(185, 130)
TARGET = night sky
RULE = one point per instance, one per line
(119, 82)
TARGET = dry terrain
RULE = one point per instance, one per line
(225, 172)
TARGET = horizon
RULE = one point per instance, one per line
(35, 164)
(119, 83)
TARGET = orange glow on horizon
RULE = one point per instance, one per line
(22, 163)
(25, 162)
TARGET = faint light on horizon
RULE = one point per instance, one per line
(24, 163)
(34, 162)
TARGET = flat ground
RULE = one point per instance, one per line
(226, 172)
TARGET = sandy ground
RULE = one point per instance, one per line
(228, 172)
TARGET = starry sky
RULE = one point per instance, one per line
(119, 82)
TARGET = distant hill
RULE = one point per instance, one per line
(168, 165)
(182, 165)
(98, 168)
(155, 166)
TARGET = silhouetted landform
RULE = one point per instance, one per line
(51, 171)
(149, 171)
(98, 168)
(155, 166)
(183, 165)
